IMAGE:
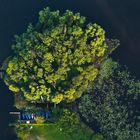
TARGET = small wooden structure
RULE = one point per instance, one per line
(16, 113)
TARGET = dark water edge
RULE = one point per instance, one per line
(119, 18)
(6, 104)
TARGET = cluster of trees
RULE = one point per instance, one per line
(112, 103)
(62, 57)
(56, 59)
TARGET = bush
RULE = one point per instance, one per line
(40, 120)
(68, 122)
(23, 132)
(97, 137)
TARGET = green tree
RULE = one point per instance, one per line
(57, 58)
(112, 104)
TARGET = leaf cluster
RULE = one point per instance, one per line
(112, 105)
(56, 59)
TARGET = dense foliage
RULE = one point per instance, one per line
(70, 124)
(112, 105)
(23, 132)
(40, 120)
(56, 59)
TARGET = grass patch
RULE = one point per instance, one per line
(51, 132)
(42, 132)
(48, 132)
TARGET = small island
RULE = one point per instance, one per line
(65, 84)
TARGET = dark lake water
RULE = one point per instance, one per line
(120, 19)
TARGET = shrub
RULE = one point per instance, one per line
(23, 132)
(70, 124)
(97, 137)
(39, 120)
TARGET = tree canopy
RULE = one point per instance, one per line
(112, 105)
(57, 58)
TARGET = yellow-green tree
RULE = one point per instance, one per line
(57, 58)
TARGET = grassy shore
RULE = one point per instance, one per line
(51, 132)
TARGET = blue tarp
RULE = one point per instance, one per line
(30, 116)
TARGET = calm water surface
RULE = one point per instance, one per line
(119, 18)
